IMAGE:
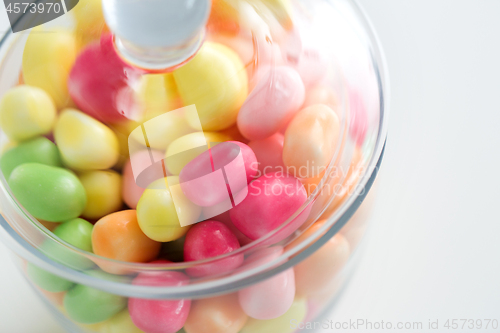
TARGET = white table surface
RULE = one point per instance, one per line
(434, 250)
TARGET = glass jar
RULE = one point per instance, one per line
(285, 278)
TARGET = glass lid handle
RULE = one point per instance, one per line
(157, 34)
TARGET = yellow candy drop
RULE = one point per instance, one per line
(26, 112)
(103, 190)
(215, 80)
(157, 214)
(161, 115)
(47, 61)
(84, 142)
(187, 142)
(283, 324)
(162, 133)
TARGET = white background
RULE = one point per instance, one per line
(434, 248)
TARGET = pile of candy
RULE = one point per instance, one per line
(69, 123)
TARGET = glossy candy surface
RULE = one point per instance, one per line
(272, 103)
(210, 239)
(161, 133)
(157, 96)
(226, 219)
(26, 112)
(271, 200)
(75, 232)
(84, 142)
(272, 297)
(159, 316)
(118, 236)
(215, 81)
(38, 150)
(47, 60)
(103, 188)
(48, 193)
(221, 314)
(108, 98)
(88, 305)
(310, 141)
(199, 179)
(159, 218)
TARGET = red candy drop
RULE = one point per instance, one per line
(207, 240)
(101, 83)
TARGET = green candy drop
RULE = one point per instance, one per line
(46, 280)
(87, 305)
(39, 150)
(48, 193)
(76, 232)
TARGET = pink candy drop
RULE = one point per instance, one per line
(226, 219)
(159, 316)
(207, 240)
(213, 175)
(272, 297)
(271, 200)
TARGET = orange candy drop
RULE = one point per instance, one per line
(118, 236)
